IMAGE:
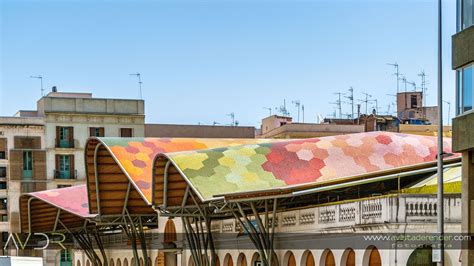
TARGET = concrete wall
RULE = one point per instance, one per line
(90, 105)
(463, 48)
(297, 130)
(198, 131)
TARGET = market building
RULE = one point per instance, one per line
(213, 197)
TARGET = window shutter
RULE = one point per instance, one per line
(91, 132)
(101, 132)
(71, 137)
(57, 166)
(57, 136)
(39, 165)
(72, 169)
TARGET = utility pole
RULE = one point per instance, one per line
(139, 83)
(397, 73)
(351, 100)
(41, 82)
(297, 103)
(440, 195)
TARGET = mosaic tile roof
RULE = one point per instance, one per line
(222, 166)
(136, 155)
(71, 199)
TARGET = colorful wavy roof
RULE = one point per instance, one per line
(136, 155)
(294, 163)
(71, 199)
(221, 166)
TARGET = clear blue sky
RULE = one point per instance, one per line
(201, 60)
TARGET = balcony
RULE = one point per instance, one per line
(65, 175)
(64, 143)
(365, 212)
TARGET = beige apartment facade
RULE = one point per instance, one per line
(71, 118)
(22, 167)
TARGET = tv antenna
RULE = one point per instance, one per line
(139, 82)
(351, 100)
(297, 103)
(232, 116)
(338, 103)
(282, 109)
(413, 84)
(449, 111)
(215, 123)
(423, 86)
(366, 101)
(269, 110)
(41, 82)
(376, 105)
(397, 73)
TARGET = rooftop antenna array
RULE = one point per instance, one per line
(139, 82)
(41, 82)
(297, 103)
(392, 103)
(282, 109)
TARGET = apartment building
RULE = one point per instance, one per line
(463, 123)
(70, 119)
(22, 167)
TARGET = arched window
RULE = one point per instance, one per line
(228, 260)
(170, 232)
(255, 259)
(421, 256)
(190, 261)
(307, 259)
(119, 263)
(289, 259)
(111, 262)
(125, 262)
(327, 258)
(372, 257)
(88, 263)
(142, 262)
(242, 260)
(348, 257)
(78, 263)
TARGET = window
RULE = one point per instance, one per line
(126, 132)
(3, 172)
(3, 204)
(2, 155)
(413, 101)
(467, 18)
(96, 132)
(65, 167)
(27, 164)
(465, 89)
(65, 137)
(3, 184)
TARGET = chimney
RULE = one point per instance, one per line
(54, 89)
